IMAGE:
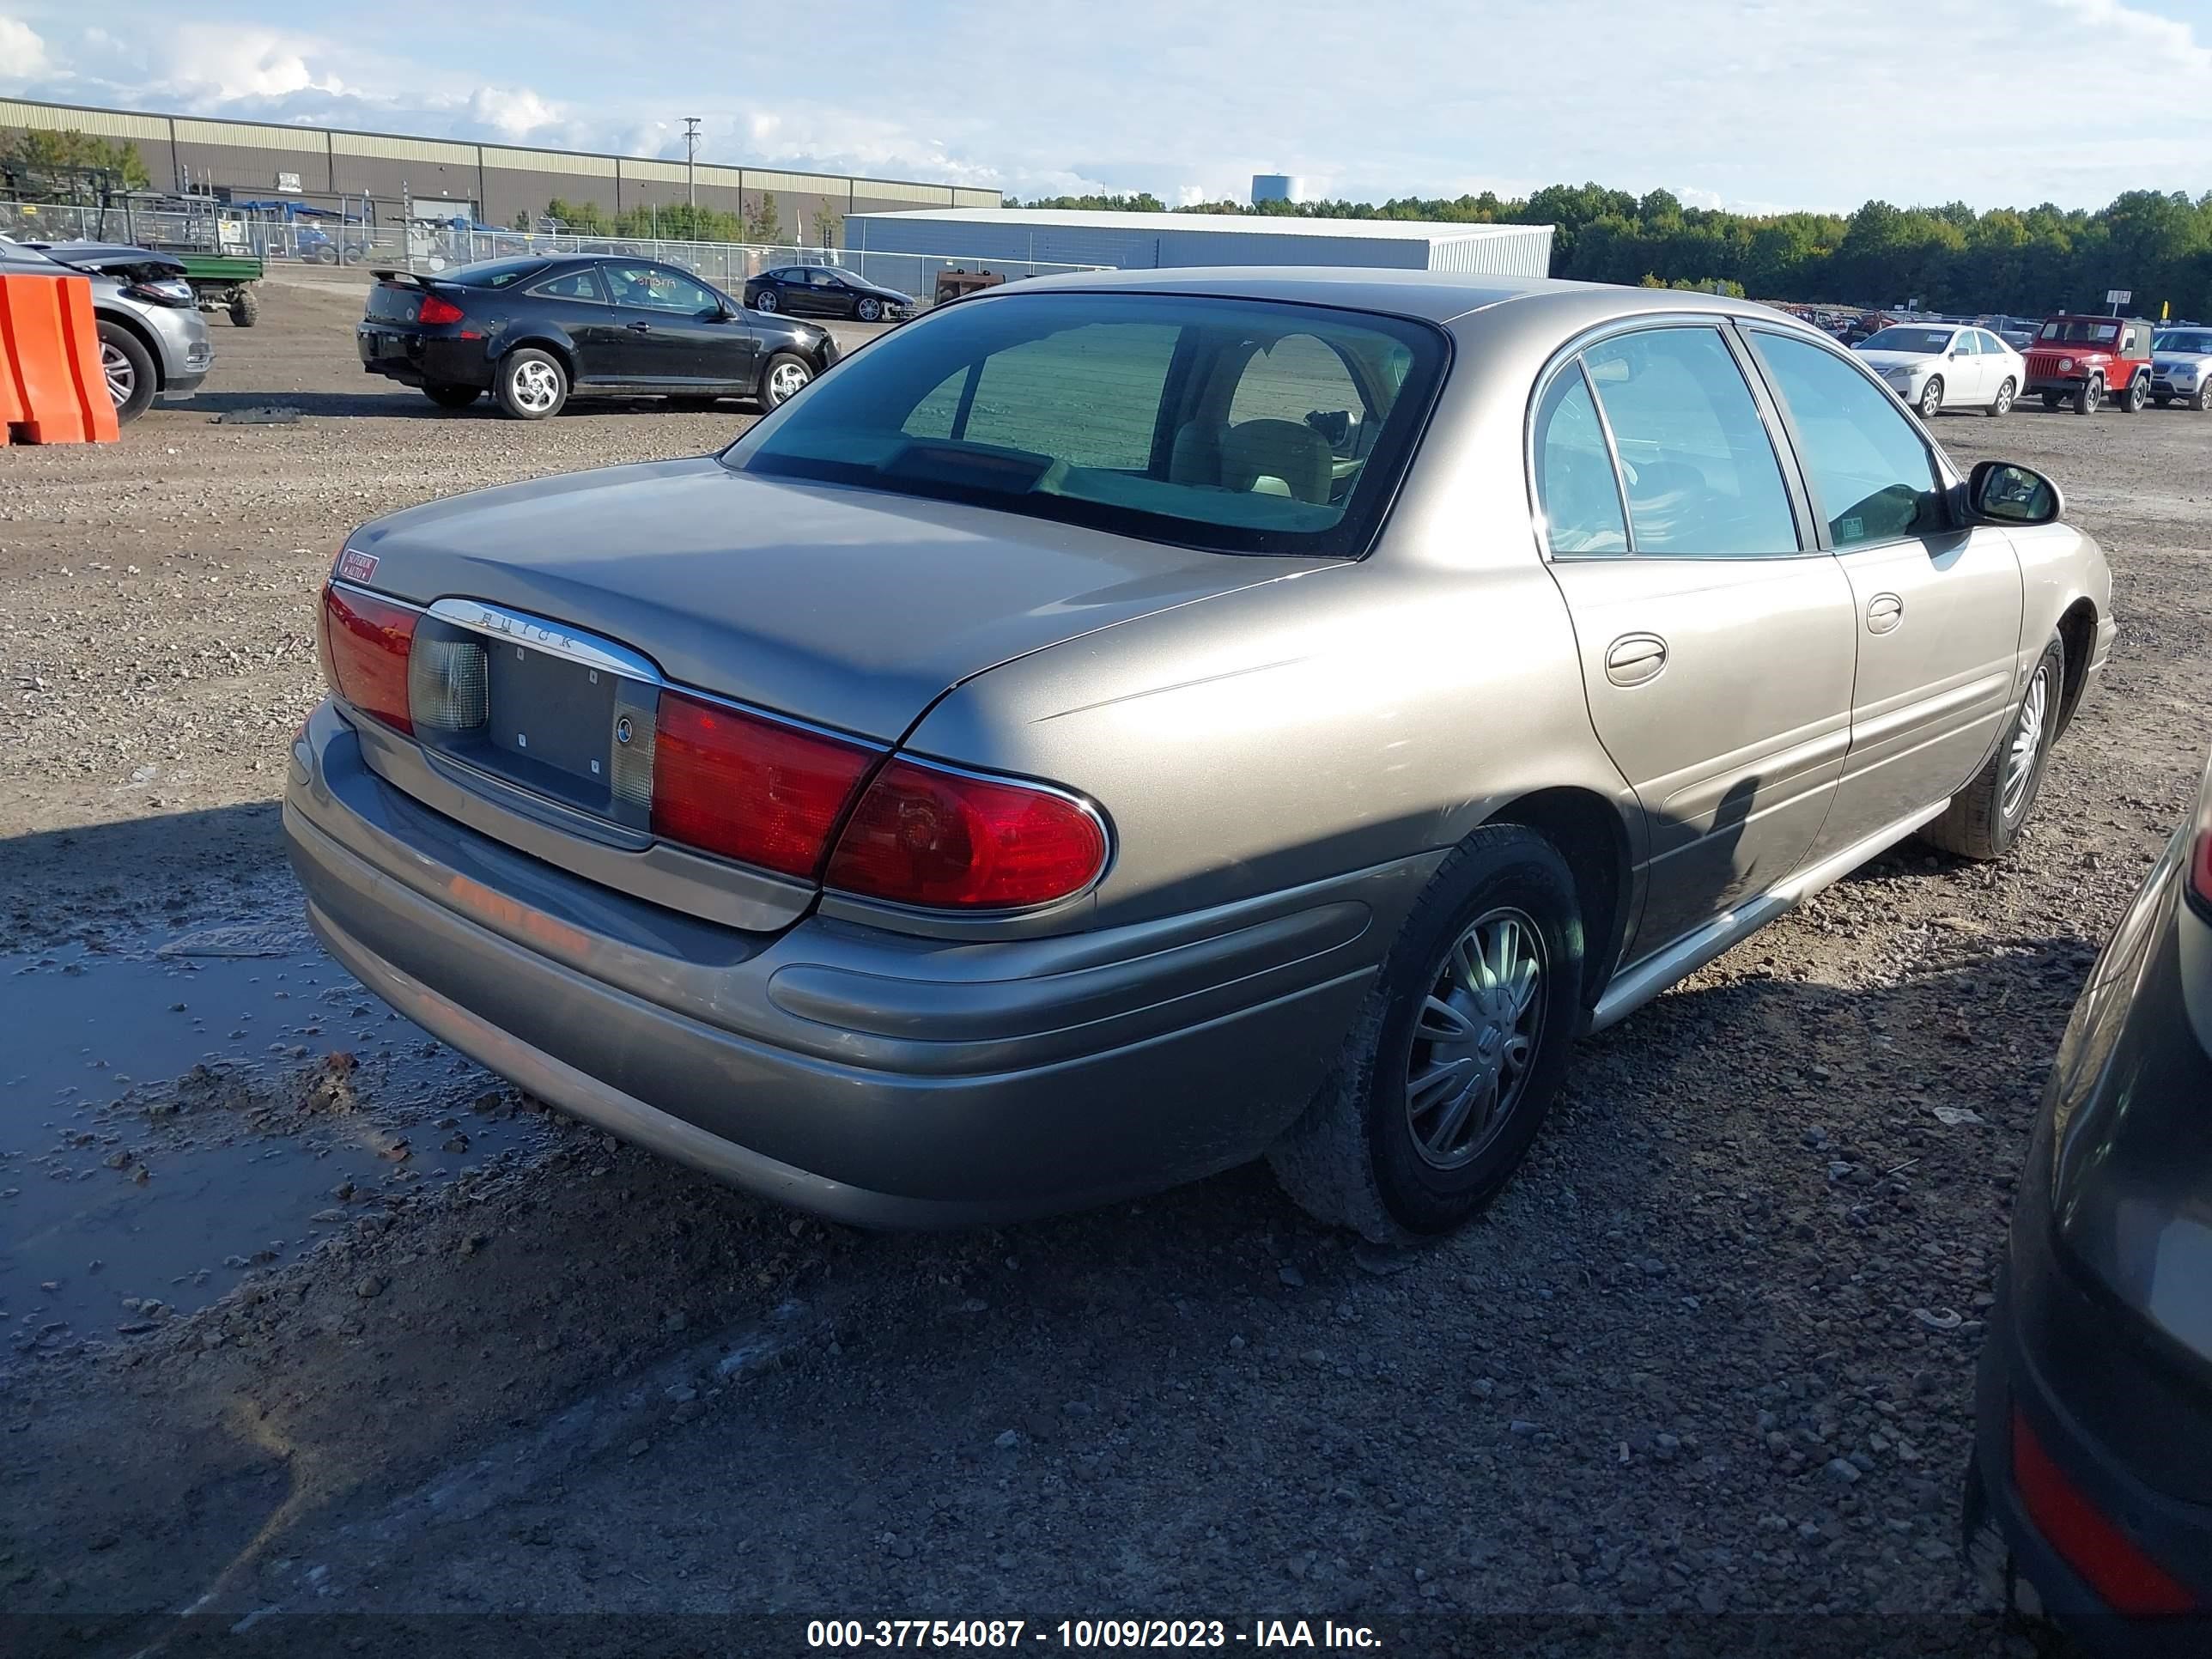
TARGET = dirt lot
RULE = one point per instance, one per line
(1710, 1356)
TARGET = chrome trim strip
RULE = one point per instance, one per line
(1639, 983)
(542, 635)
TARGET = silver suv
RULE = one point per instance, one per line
(153, 341)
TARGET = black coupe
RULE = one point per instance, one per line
(536, 330)
(826, 291)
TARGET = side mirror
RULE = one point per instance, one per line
(2005, 492)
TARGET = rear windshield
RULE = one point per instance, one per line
(1909, 339)
(2077, 331)
(494, 273)
(1233, 425)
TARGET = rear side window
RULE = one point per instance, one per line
(1703, 480)
(576, 285)
(1575, 485)
(1238, 426)
(1872, 477)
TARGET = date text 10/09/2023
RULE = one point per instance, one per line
(1088, 1633)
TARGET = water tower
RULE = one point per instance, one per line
(1277, 187)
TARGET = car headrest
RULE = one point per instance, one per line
(1289, 450)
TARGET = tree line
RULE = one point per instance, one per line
(682, 222)
(2028, 261)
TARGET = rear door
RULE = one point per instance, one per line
(1937, 603)
(1716, 639)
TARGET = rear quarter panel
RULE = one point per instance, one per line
(1318, 725)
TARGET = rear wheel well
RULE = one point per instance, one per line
(1590, 836)
(136, 331)
(552, 348)
(2077, 631)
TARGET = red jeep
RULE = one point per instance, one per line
(2086, 360)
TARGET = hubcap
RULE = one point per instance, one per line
(536, 386)
(2005, 396)
(122, 379)
(784, 380)
(1932, 399)
(2027, 741)
(766, 300)
(1475, 1039)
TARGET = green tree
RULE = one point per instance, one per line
(828, 222)
(71, 165)
(765, 222)
(577, 218)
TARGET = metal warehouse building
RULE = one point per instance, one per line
(327, 166)
(1144, 241)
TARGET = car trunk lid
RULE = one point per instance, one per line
(588, 596)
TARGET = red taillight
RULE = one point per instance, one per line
(365, 647)
(945, 839)
(748, 788)
(2126, 1579)
(436, 310)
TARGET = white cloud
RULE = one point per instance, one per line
(22, 53)
(1757, 103)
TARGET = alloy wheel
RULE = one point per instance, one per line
(122, 379)
(784, 381)
(1476, 1037)
(2027, 741)
(1931, 400)
(767, 300)
(537, 386)
(2004, 398)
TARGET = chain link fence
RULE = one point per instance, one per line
(427, 246)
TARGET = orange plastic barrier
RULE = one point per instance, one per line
(51, 389)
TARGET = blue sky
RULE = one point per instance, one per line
(1770, 104)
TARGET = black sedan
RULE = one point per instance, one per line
(2090, 1498)
(826, 291)
(535, 331)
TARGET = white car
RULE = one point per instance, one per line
(1933, 365)
(2181, 367)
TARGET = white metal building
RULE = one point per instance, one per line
(1146, 241)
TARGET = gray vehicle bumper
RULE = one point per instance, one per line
(873, 1078)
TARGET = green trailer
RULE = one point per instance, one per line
(224, 281)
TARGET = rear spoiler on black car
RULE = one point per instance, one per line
(399, 278)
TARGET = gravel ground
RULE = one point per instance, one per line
(1709, 1357)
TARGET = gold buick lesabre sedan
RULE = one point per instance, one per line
(1124, 725)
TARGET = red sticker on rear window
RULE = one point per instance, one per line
(355, 566)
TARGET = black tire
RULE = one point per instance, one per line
(768, 301)
(2051, 400)
(2138, 394)
(1979, 823)
(2203, 401)
(2090, 394)
(453, 396)
(870, 309)
(523, 387)
(128, 367)
(2002, 405)
(776, 387)
(244, 308)
(1352, 1159)
(1931, 398)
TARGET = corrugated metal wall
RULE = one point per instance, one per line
(1516, 251)
(498, 181)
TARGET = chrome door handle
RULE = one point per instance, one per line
(1884, 612)
(1635, 658)
(640, 328)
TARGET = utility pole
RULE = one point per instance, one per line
(690, 154)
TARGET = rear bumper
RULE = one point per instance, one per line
(874, 1078)
(416, 359)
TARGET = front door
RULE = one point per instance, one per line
(680, 336)
(1936, 603)
(1716, 640)
(1962, 375)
